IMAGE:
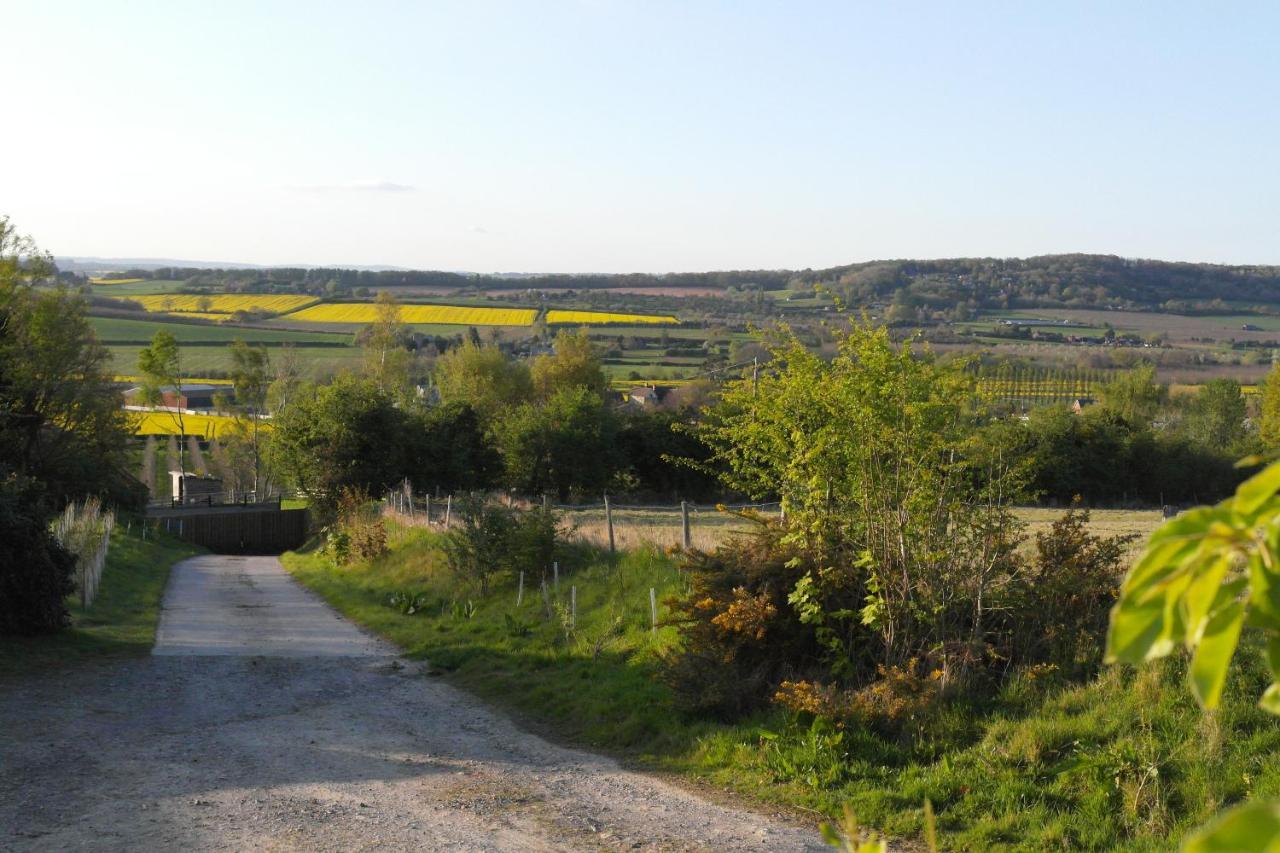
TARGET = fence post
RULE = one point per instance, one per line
(520, 591)
(608, 520)
(684, 522)
(448, 509)
(555, 573)
(546, 503)
(428, 507)
(653, 608)
(546, 597)
(573, 607)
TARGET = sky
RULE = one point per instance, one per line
(612, 136)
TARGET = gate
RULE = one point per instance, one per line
(236, 529)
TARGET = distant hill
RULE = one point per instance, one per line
(1078, 281)
(81, 263)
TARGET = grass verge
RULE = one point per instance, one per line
(1124, 762)
(121, 621)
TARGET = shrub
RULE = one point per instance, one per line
(1056, 604)
(480, 546)
(35, 571)
(358, 532)
(738, 636)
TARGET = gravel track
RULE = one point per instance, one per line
(257, 744)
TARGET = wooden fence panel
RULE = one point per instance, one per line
(246, 531)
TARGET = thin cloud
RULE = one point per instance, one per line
(355, 187)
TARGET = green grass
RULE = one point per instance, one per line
(122, 619)
(111, 329)
(204, 361)
(1126, 761)
(141, 288)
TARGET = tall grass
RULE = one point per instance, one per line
(84, 529)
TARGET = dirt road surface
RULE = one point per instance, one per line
(264, 721)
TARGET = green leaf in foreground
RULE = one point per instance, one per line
(1253, 826)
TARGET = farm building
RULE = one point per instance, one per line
(192, 397)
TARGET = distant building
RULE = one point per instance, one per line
(191, 488)
(644, 396)
(191, 397)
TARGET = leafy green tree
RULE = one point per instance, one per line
(575, 364)
(447, 448)
(60, 417)
(1269, 413)
(563, 446)
(160, 364)
(867, 452)
(483, 378)
(1134, 394)
(251, 378)
(349, 434)
(387, 358)
(1216, 416)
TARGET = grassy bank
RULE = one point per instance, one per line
(121, 621)
(1126, 761)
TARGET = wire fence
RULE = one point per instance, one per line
(605, 524)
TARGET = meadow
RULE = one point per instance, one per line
(115, 330)
(317, 362)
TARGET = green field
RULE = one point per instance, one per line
(317, 362)
(141, 288)
(111, 329)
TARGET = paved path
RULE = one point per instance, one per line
(218, 605)
(231, 739)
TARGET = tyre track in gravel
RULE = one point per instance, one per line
(265, 721)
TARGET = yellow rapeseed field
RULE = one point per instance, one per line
(115, 280)
(460, 315)
(597, 318)
(204, 426)
(220, 303)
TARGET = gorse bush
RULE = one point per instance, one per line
(738, 635)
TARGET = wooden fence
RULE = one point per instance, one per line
(236, 530)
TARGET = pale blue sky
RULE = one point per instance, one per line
(641, 136)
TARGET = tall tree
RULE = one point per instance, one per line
(574, 364)
(1269, 415)
(482, 377)
(1134, 394)
(60, 417)
(161, 367)
(251, 377)
(386, 358)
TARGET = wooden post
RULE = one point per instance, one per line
(684, 523)
(573, 607)
(546, 503)
(653, 608)
(448, 509)
(520, 591)
(555, 574)
(546, 597)
(427, 505)
(608, 520)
